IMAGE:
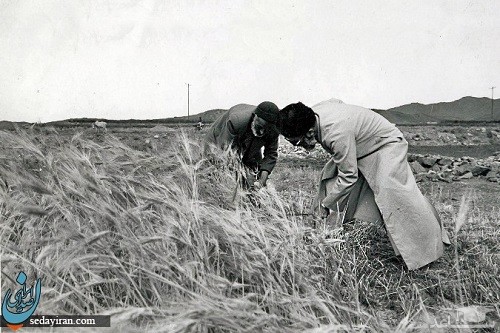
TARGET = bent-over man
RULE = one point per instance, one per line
(247, 129)
(369, 178)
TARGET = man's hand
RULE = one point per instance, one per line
(257, 185)
(325, 212)
(331, 217)
(333, 221)
(261, 182)
(263, 178)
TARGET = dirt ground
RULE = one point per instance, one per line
(486, 194)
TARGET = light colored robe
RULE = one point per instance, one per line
(369, 176)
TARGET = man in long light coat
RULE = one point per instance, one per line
(247, 129)
(369, 178)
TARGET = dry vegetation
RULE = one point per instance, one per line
(166, 241)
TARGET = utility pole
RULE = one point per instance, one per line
(188, 101)
(492, 117)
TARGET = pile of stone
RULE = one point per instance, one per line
(425, 167)
(448, 169)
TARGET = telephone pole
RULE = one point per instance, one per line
(492, 117)
(188, 101)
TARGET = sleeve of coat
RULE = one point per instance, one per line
(345, 158)
(270, 155)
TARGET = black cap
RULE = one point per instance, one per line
(296, 119)
(268, 111)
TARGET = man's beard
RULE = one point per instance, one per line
(254, 131)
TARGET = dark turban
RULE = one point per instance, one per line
(268, 111)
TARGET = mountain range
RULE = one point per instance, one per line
(466, 109)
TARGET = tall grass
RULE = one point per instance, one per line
(109, 228)
(170, 242)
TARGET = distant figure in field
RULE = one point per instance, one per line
(247, 129)
(199, 125)
(368, 176)
(99, 125)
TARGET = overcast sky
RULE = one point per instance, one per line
(133, 59)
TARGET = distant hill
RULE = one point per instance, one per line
(206, 117)
(475, 109)
(466, 109)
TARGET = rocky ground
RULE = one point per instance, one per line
(448, 169)
(451, 135)
(455, 153)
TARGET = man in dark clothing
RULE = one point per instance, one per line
(247, 129)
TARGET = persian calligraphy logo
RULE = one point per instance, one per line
(16, 312)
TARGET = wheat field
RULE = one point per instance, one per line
(168, 241)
